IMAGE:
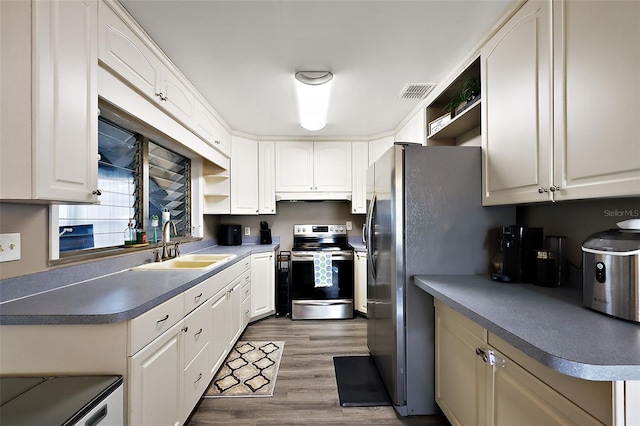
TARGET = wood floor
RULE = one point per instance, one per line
(305, 391)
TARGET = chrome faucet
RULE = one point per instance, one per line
(166, 235)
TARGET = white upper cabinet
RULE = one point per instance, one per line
(359, 166)
(596, 107)
(244, 176)
(313, 169)
(516, 132)
(209, 129)
(332, 166)
(543, 132)
(128, 52)
(49, 101)
(122, 50)
(294, 166)
(266, 177)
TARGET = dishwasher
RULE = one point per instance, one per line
(67, 400)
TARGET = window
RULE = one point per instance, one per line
(138, 179)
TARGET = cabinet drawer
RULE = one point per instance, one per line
(196, 378)
(198, 294)
(146, 327)
(246, 285)
(246, 311)
(196, 332)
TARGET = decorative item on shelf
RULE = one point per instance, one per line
(439, 123)
(130, 236)
(469, 95)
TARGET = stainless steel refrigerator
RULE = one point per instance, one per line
(425, 216)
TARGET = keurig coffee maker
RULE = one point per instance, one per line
(265, 233)
(517, 246)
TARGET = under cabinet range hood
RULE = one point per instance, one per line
(313, 196)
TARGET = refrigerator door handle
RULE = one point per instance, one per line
(369, 239)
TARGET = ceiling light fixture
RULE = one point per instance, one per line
(313, 88)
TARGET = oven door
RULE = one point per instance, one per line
(309, 301)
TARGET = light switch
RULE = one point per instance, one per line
(349, 225)
(247, 230)
(9, 247)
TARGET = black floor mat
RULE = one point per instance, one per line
(359, 384)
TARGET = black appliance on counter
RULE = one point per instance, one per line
(518, 248)
(265, 233)
(230, 234)
(316, 295)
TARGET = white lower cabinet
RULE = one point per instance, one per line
(176, 363)
(360, 281)
(155, 396)
(262, 285)
(479, 384)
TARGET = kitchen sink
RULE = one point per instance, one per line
(201, 262)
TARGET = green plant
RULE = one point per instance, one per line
(470, 90)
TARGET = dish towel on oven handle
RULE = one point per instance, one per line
(322, 269)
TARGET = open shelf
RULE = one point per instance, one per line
(217, 188)
(464, 121)
(460, 124)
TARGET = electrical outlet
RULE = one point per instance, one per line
(9, 247)
(349, 225)
(247, 230)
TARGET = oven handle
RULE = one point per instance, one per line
(308, 257)
(322, 303)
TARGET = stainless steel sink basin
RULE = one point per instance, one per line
(187, 262)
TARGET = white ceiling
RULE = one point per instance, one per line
(241, 55)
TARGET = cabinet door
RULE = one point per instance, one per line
(122, 51)
(209, 129)
(220, 329)
(267, 177)
(176, 98)
(414, 130)
(294, 166)
(197, 329)
(155, 381)
(461, 375)
(235, 320)
(359, 165)
(65, 110)
(516, 108)
(262, 285)
(597, 87)
(332, 166)
(360, 280)
(520, 398)
(244, 176)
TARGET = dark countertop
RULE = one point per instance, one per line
(548, 324)
(115, 297)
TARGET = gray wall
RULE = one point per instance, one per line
(289, 214)
(578, 219)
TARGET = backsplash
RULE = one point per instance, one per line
(576, 220)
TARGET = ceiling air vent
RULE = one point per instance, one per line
(415, 90)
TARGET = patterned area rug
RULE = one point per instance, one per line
(250, 370)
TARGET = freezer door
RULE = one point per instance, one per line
(385, 291)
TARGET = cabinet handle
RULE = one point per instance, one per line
(97, 192)
(161, 96)
(198, 379)
(553, 188)
(542, 190)
(490, 357)
(216, 142)
(197, 334)
(163, 319)
(197, 298)
(185, 329)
